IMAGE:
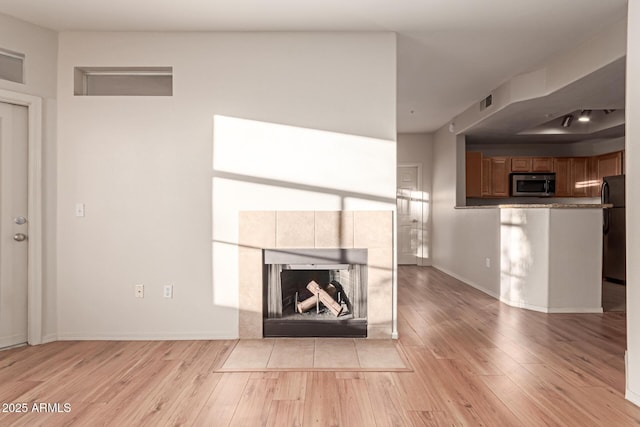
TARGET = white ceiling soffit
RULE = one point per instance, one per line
(450, 52)
(602, 89)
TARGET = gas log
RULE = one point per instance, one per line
(324, 297)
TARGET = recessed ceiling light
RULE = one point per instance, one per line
(584, 116)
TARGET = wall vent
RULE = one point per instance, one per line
(123, 81)
(486, 103)
(11, 66)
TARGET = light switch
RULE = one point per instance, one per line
(79, 209)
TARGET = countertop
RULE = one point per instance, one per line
(540, 206)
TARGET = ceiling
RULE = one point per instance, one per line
(451, 53)
(539, 119)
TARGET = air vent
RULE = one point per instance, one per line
(11, 66)
(123, 81)
(486, 103)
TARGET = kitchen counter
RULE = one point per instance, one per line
(550, 255)
(540, 206)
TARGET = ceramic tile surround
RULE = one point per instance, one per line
(372, 230)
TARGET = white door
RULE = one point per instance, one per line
(13, 224)
(409, 206)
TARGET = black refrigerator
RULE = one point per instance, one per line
(613, 228)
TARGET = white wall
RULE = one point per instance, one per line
(40, 47)
(417, 149)
(299, 121)
(462, 238)
(633, 202)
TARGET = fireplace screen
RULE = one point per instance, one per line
(315, 293)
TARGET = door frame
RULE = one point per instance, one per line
(34, 183)
(419, 257)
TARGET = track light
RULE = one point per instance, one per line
(584, 116)
(566, 121)
(608, 111)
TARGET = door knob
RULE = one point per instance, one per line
(19, 237)
(20, 220)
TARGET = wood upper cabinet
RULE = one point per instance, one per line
(500, 168)
(521, 164)
(579, 170)
(573, 176)
(605, 165)
(473, 172)
(532, 164)
(561, 167)
(542, 164)
(486, 177)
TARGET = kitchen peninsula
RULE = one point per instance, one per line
(550, 256)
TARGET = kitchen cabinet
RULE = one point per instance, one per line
(572, 176)
(486, 177)
(531, 164)
(575, 176)
(609, 164)
(542, 164)
(561, 166)
(579, 172)
(521, 164)
(500, 168)
(473, 174)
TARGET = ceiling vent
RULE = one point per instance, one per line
(11, 66)
(486, 103)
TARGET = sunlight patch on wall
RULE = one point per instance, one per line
(303, 156)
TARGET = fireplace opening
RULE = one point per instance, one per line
(315, 293)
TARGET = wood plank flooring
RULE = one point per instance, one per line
(476, 362)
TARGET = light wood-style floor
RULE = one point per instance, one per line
(476, 361)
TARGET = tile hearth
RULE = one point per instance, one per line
(335, 354)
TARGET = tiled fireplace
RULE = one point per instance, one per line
(347, 253)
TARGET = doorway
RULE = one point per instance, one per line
(410, 219)
(14, 155)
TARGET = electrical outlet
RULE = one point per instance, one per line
(487, 262)
(139, 291)
(167, 291)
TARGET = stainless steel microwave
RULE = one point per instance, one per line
(538, 185)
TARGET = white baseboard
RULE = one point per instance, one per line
(71, 336)
(467, 281)
(519, 304)
(49, 338)
(632, 397)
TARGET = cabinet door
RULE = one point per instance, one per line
(500, 176)
(606, 165)
(609, 165)
(486, 176)
(542, 164)
(563, 176)
(473, 172)
(579, 169)
(521, 164)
